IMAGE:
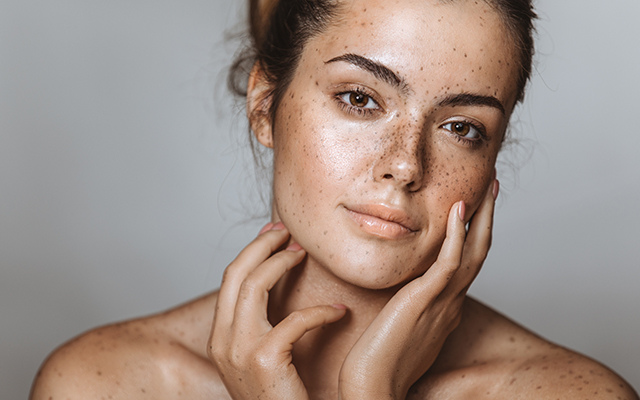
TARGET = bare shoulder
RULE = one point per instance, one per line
(491, 356)
(161, 356)
(565, 374)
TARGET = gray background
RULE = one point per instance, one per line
(125, 182)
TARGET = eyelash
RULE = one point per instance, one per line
(461, 139)
(367, 112)
(353, 110)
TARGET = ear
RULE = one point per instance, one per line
(259, 96)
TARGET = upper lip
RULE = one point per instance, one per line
(386, 213)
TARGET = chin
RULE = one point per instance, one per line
(373, 271)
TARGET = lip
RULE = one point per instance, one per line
(382, 220)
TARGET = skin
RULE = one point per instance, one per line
(329, 301)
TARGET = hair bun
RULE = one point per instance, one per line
(260, 12)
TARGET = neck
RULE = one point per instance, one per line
(319, 355)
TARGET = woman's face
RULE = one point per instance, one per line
(395, 112)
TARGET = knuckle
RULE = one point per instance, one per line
(477, 259)
(489, 240)
(226, 275)
(216, 353)
(249, 288)
(298, 318)
(455, 321)
(449, 269)
(235, 357)
(264, 359)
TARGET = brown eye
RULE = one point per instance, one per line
(358, 99)
(358, 102)
(460, 128)
(463, 129)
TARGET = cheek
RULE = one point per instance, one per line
(312, 161)
(451, 177)
(310, 146)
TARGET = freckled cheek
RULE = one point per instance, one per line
(451, 179)
(324, 146)
(311, 159)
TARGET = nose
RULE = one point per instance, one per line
(401, 160)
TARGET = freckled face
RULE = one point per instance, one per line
(394, 114)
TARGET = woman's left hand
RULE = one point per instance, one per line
(404, 340)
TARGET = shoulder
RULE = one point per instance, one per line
(490, 356)
(161, 356)
(561, 373)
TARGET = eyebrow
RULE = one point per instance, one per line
(469, 99)
(383, 73)
(378, 70)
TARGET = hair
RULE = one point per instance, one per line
(279, 30)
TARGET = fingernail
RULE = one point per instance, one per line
(339, 306)
(265, 228)
(496, 189)
(461, 210)
(278, 226)
(294, 247)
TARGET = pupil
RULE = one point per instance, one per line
(461, 128)
(358, 99)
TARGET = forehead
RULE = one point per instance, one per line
(434, 45)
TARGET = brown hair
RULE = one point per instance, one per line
(279, 30)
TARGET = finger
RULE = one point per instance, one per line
(479, 237)
(249, 258)
(295, 325)
(253, 297)
(450, 254)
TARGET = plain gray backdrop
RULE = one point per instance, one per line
(126, 186)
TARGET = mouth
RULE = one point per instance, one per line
(382, 221)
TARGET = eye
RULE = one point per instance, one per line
(359, 100)
(463, 129)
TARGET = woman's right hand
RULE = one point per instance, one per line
(254, 358)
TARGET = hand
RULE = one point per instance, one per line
(253, 358)
(404, 340)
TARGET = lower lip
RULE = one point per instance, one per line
(378, 226)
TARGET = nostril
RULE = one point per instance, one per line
(388, 176)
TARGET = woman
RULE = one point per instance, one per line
(385, 120)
